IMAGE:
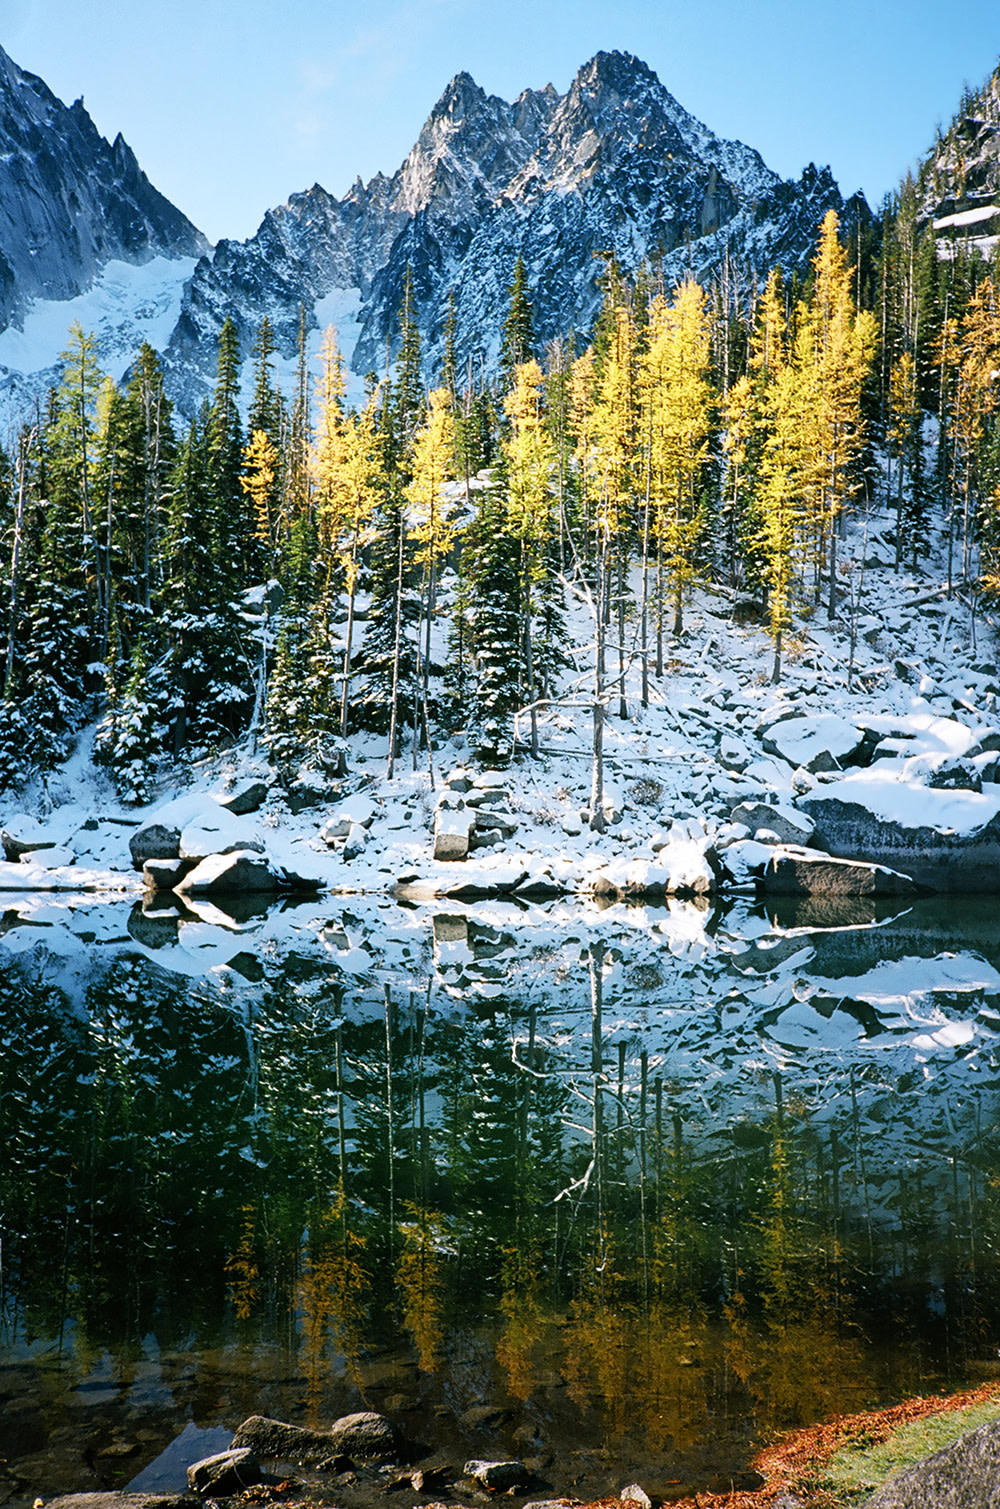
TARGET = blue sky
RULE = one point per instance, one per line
(231, 105)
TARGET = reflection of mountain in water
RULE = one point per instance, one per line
(627, 1173)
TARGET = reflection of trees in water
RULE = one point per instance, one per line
(203, 1160)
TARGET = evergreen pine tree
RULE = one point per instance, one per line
(493, 564)
(517, 339)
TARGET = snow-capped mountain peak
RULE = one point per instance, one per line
(615, 165)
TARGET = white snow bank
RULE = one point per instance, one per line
(978, 216)
(801, 740)
(36, 877)
(125, 306)
(923, 733)
(911, 805)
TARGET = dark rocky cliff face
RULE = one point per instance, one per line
(70, 201)
(614, 165)
(958, 184)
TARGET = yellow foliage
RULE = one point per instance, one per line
(243, 1270)
(432, 515)
(420, 1279)
(261, 459)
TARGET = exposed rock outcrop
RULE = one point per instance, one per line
(70, 201)
(965, 1475)
(947, 840)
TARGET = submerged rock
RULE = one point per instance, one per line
(122, 1500)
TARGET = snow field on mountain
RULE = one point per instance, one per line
(126, 305)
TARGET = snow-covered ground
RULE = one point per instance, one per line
(126, 305)
(920, 685)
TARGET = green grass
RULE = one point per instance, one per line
(858, 1469)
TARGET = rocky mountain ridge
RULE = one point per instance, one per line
(615, 165)
(958, 184)
(70, 201)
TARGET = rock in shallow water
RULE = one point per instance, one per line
(122, 1500)
(365, 1436)
(497, 1476)
(226, 1473)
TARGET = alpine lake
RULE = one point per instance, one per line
(621, 1192)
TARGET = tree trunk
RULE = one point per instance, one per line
(597, 821)
(394, 694)
(23, 452)
(346, 678)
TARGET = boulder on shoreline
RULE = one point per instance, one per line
(226, 1473)
(365, 1436)
(807, 872)
(945, 839)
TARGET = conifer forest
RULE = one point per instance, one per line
(198, 582)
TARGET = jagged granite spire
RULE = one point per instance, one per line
(70, 201)
(615, 164)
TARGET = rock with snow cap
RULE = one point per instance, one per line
(246, 797)
(491, 780)
(794, 871)
(494, 820)
(23, 834)
(355, 842)
(453, 827)
(216, 831)
(354, 811)
(947, 840)
(155, 840)
(824, 742)
(790, 825)
(231, 874)
(49, 856)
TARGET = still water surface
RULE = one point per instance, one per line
(622, 1192)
